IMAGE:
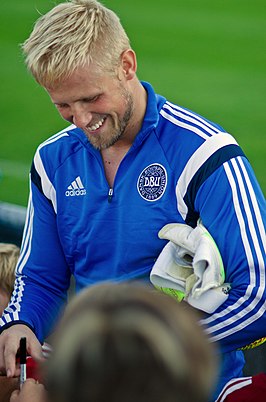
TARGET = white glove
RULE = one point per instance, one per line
(191, 265)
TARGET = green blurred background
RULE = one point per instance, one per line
(208, 56)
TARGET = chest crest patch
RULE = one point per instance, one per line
(152, 182)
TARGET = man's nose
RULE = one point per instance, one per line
(81, 117)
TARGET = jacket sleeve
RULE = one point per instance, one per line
(232, 207)
(42, 274)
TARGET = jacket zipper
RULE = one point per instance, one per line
(110, 194)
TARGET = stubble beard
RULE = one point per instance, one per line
(103, 141)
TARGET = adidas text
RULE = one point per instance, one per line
(77, 192)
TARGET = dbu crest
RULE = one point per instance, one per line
(152, 182)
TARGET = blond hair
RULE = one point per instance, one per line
(125, 343)
(9, 254)
(71, 35)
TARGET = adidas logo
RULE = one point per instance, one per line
(75, 188)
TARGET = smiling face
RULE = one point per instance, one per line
(101, 105)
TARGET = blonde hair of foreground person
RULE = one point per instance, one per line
(9, 254)
(71, 35)
(129, 343)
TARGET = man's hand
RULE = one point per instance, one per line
(31, 391)
(9, 345)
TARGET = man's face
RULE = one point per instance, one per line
(100, 104)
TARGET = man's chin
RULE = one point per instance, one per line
(100, 143)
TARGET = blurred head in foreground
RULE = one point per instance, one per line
(126, 343)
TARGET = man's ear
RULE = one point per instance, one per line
(128, 64)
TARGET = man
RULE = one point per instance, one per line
(130, 163)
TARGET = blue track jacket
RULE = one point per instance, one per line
(179, 168)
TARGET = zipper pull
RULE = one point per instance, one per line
(110, 194)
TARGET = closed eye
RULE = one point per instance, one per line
(91, 100)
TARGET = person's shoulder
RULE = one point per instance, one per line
(186, 120)
(66, 136)
(190, 130)
(57, 149)
(244, 389)
(189, 139)
(61, 145)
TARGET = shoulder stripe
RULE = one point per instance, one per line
(12, 311)
(254, 203)
(250, 306)
(216, 160)
(35, 177)
(40, 179)
(28, 227)
(47, 186)
(191, 117)
(27, 220)
(179, 123)
(27, 236)
(202, 154)
(196, 117)
(52, 139)
(232, 386)
(58, 135)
